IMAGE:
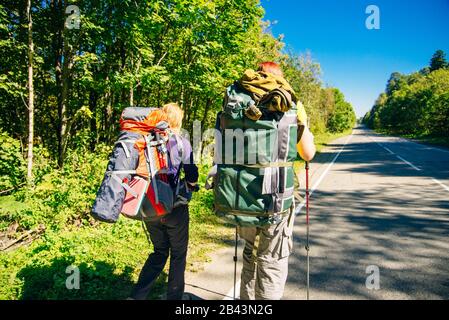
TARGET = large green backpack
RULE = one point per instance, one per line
(254, 182)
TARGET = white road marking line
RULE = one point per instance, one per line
(441, 184)
(410, 164)
(445, 187)
(301, 205)
(231, 291)
(298, 210)
(391, 152)
(381, 145)
(315, 186)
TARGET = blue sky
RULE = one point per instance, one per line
(354, 59)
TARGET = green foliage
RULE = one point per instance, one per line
(416, 104)
(327, 108)
(62, 196)
(438, 61)
(144, 53)
(12, 165)
(343, 116)
(109, 256)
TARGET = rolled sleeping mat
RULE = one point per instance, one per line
(136, 113)
(111, 194)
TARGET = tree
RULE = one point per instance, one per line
(303, 74)
(394, 83)
(438, 61)
(13, 70)
(343, 116)
(416, 104)
(30, 93)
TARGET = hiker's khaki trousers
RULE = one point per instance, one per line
(265, 260)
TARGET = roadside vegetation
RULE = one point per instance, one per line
(415, 106)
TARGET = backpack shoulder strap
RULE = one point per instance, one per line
(181, 155)
(125, 148)
(180, 146)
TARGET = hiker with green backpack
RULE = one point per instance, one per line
(259, 134)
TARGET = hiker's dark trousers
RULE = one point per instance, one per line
(169, 236)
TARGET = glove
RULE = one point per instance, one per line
(301, 114)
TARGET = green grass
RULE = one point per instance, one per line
(322, 139)
(109, 258)
(105, 256)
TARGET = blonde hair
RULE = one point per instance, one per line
(174, 115)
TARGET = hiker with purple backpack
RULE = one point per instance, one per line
(170, 234)
(143, 182)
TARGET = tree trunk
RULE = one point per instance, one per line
(57, 43)
(66, 68)
(93, 99)
(30, 93)
(206, 112)
(109, 114)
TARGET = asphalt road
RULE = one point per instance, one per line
(377, 201)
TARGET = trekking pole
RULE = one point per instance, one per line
(307, 226)
(235, 263)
